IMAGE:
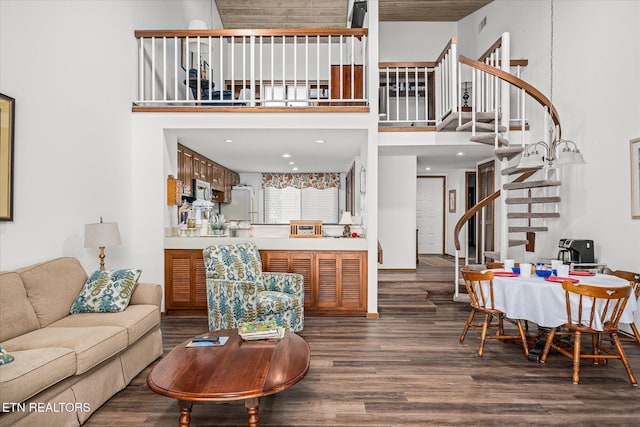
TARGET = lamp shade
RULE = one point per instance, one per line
(346, 218)
(102, 234)
(531, 161)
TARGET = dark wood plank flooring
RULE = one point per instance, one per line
(406, 368)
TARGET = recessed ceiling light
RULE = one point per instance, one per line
(228, 140)
(460, 153)
(285, 155)
(320, 141)
(292, 163)
(295, 169)
(427, 169)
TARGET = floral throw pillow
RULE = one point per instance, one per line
(5, 357)
(106, 291)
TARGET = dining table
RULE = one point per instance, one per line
(542, 300)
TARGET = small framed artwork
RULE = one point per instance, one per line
(452, 201)
(7, 123)
(635, 178)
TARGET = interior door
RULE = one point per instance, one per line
(430, 205)
(486, 187)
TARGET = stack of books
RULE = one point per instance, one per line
(260, 330)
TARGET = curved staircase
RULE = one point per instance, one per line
(530, 199)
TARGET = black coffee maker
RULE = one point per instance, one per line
(577, 251)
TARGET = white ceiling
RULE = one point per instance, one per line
(260, 150)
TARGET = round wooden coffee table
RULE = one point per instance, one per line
(238, 370)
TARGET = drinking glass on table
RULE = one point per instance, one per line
(563, 270)
(508, 264)
(525, 269)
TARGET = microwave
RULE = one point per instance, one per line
(201, 190)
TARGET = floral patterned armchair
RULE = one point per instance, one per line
(239, 291)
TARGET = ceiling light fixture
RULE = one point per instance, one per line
(459, 153)
(286, 156)
(228, 140)
(292, 163)
(295, 169)
(427, 169)
(320, 141)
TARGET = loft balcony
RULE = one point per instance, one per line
(252, 70)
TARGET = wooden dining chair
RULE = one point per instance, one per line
(634, 278)
(598, 311)
(482, 302)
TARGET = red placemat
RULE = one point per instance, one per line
(560, 279)
(505, 274)
(581, 273)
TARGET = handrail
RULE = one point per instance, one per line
(452, 41)
(517, 82)
(475, 209)
(256, 32)
(496, 45)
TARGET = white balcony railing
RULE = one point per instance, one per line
(406, 94)
(252, 68)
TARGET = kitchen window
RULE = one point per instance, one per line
(301, 196)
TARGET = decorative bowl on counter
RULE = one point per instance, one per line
(515, 270)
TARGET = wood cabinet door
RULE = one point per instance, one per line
(353, 279)
(178, 277)
(326, 280)
(185, 170)
(199, 285)
(343, 88)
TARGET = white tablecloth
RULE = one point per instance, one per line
(544, 303)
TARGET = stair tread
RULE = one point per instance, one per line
(531, 184)
(524, 229)
(489, 139)
(508, 152)
(514, 242)
(450, 123)
(533, 215)
(481, 127)
(531, 200)
(516, 169)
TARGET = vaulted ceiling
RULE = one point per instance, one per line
(253, 14)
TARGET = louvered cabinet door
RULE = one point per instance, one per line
(341, 280)
(199, 295)
(326, 280)
(178, 276)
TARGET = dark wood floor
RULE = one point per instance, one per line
(405, 369)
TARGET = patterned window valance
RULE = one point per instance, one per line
(319, 180)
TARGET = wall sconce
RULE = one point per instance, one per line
(101, 235)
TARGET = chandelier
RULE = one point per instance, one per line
(559, 152)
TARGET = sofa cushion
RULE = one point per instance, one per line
(35, 370)
(136, 319)
(106, 291)
(91, 345)
(16, 312)
(270, 302)
(52, 286)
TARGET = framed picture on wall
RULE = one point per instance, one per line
(635, 178)
(452, 201)
(7, 123)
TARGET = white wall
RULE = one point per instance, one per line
(397, 188)
(71, 68)
(414, 41)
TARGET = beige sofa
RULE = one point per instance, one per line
(65, 365)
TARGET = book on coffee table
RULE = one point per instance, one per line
(260, 330)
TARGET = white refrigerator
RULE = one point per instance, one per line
(242, 206)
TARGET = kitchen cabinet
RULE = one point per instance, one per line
(185, 282)
(185, 170)
(193, 165)
(335, 282)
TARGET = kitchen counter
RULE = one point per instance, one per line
(273, 243)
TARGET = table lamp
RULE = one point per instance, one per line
(346, 220)
(101, 235)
